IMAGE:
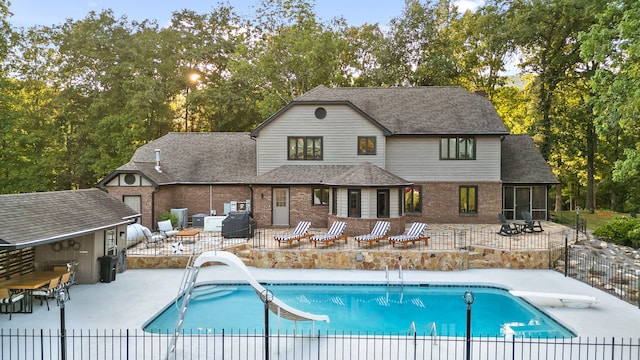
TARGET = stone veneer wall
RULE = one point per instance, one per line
(366, 260)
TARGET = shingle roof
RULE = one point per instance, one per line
(420, 110)
(37, 218)
(196, 158)
(522, 163)
(365, 174)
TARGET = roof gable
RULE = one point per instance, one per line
(37, 218)
(279, 113)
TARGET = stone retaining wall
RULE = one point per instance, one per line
(367, 260)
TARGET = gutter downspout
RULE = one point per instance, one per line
(153, 207)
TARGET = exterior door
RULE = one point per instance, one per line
(280, 207)
(523, 201)
(134, 202)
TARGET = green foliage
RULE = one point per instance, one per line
(170, 216)
(77, 98)
(621, 230)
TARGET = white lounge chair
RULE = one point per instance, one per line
(299, 233)
(415, 233)
(379, 232)
(335, 233)
(166, 228)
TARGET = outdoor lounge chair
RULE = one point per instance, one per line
(415, 233)
(335, 233)
(152, 239)
(300, 232)
(9, 298)
(166, 228)
(507, 228)
(531, 225)
(379, 232)
(46, 292)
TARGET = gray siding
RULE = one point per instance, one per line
(418, 159)
(339, 130)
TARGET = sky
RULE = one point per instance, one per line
(49, 12)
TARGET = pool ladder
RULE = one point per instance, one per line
(186, 290)
(400, 275)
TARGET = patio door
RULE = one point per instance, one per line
(523, 201)
(280, 206)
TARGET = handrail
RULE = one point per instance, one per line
(412, 329)
(386, 276)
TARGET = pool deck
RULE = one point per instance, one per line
(137, 295)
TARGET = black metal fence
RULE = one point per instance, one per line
(618, 277)
(136, 344)
(442, 240)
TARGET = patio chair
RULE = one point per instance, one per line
(299, 233)
(9, 298)
(65, 283)
(507, 228)
(379, 232)
(46, 292)
(335, 233)
(531, 225)
(152, 239)
(166, 228)
(414, 234)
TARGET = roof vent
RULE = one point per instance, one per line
(158, 161)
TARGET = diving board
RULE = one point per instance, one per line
(275, 305)
(567, 300)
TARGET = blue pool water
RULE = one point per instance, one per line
(362, 309)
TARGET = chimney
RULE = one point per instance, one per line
(158, 161)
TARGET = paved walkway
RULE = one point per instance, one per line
(137, 295)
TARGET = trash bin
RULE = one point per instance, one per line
(108, 268)
(238, 224)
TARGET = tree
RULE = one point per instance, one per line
(614, 43)
(295, 53)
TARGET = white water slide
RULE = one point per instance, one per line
(275, 305)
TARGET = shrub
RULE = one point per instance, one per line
(621, 230)
(170, 216)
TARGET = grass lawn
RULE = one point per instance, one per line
(595, 220)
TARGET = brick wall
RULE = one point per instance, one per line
(199, 199)
(440, 204)
(146, 196)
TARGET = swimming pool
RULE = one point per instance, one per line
(356, 308)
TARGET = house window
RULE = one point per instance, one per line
(468, 200)
(305, 148)
(354, 203)
(457, 148)
(320, 113)
(412, 199)
(383, 203)
(320, 196)
(366, 145)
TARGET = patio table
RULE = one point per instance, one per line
(29, 282)
(189, 233)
